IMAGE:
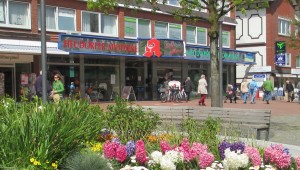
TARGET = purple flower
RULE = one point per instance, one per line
(130, 147)
(222, 147)
(116, 140)
(237, 146)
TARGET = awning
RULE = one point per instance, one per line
(28, 47)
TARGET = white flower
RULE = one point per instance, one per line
(234, 160)
(40, 107)
(138, 168)
(167, 164)
(174, 156)
(156, 156)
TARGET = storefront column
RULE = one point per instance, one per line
(154, 80)
(122, 74)
(81, 75)
(185, 70)
(232, 76)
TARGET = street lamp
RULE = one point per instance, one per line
(220, 21)
(43, 50)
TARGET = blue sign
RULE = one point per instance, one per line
(280, 59)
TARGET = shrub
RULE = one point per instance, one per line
(129, 122)
(39, 134)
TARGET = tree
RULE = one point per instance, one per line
(216, 9)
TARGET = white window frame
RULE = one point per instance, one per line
(298, 61)
(280, 30)
(196, 36)
(137, 27)
(6, 15)
(56, 19)
(223, 32)
(168, 28)
(168, 3)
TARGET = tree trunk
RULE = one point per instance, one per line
(215, 76)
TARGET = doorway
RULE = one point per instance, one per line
(7, 83)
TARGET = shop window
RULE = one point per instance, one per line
(167, 30)
(15, 14)
(226, 39)
(58, 19)
(298, 61)
(284, 27)
(137, 28)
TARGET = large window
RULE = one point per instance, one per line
(298, 61)
(59, 19)
(15, 14)
(168, 30)
(284, 27)
(137, 27)
(196, 35)
(99, 23)
(226, 39)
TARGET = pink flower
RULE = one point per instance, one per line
(206, 159)
(298, 162)
(185, 144)
(121, 153)
(198, 148)
(140, 152)
(109, 151)
(164, 146)
(254, 155)
(277, 155)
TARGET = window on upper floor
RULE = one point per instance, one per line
(167, 30)
(59, 19)
(196, 35)
(99, 23)
(170, 2)
(298, 61)
(226, 39)
(15, 14)
(284, 27)
(137, 28)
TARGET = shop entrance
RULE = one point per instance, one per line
(7, 83)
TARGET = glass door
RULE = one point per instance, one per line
(7, 80)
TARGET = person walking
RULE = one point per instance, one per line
(298, 87)
(188, 86)
(244, 89)
(202, 89)
(57, 88)
(290, 90)
(252, 88)
(268, 88)
(39, 85)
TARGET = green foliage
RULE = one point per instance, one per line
(44, 132)
(85, 160)
(129, 122)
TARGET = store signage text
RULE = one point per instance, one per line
(82, 44)
(231, 56)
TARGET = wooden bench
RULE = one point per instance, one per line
(251, 118)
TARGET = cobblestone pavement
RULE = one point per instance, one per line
(285, 116)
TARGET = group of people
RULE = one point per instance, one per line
(54, 91)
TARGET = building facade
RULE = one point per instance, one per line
(106, 52)
(264, 32)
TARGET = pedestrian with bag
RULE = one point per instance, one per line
(57, 89)
(268, 88)
(202, 90)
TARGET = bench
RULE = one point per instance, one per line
(251, 118)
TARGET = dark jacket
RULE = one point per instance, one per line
(289, 87)
(188, 87)
(38, 85)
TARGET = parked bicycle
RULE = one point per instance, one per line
(163, 94)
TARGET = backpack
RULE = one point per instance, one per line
(251, 86)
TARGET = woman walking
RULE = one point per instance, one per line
(57, 88)
(202, 89)
(244, 89)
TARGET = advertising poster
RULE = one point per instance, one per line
(24, 79)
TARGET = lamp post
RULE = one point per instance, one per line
(43, 51)
(220, 21)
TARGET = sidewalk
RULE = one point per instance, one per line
(285, 118)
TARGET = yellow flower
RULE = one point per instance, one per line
(35, 162)
(96, 147)
(32, 160)
(54, 165)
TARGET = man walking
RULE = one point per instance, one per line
(252, 90)
(290, 89)
(188, 88)
(268, 88)
(38, 85)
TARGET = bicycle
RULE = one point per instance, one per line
(163, 94)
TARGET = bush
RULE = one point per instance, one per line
(37, 134)
(129, 122)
